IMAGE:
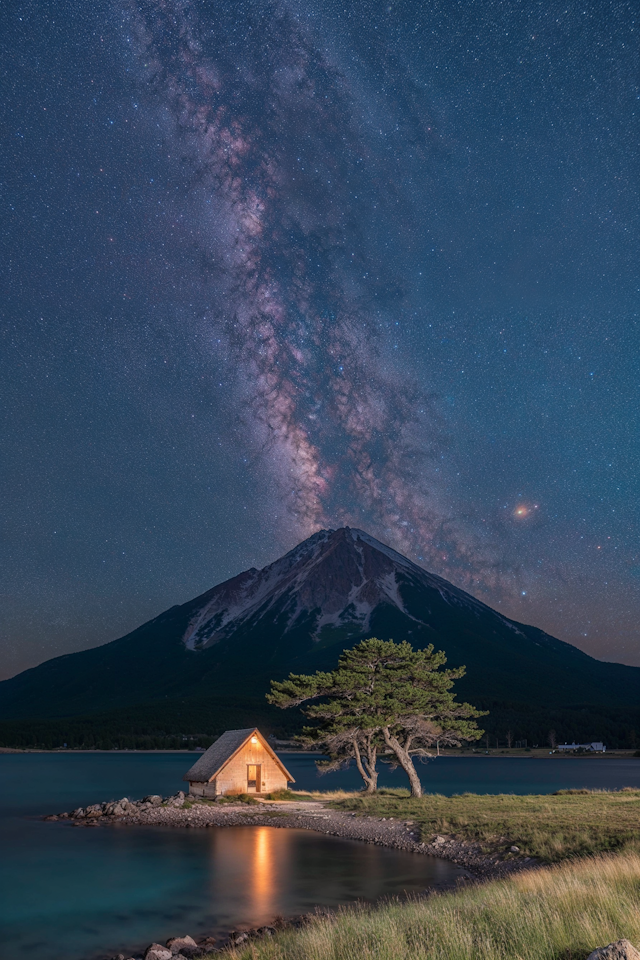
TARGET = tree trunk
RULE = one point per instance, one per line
(368, 773)
(405, 761)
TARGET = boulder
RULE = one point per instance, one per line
(185, 945)
(207, 944)
(156, 951)
(154, 800)
(237, 938)
(78, 814)
(620, 950)
(514, 849)
(95, 810)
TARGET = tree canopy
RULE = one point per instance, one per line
(382, 695)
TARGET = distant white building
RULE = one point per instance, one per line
(595, 747)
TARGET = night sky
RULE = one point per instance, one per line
(269, 268)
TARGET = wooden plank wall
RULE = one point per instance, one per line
(233, 777)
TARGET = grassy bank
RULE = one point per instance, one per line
(571, 823)
(557, 913)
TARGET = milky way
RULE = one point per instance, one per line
(267, 128)
(274, 266)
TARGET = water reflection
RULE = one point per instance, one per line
(257, 873)
(250, 865)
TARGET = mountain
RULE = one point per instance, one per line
(205, 665)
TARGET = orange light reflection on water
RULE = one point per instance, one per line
(263, 873)
(254, 860)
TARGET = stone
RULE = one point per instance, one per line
(438, 840)
(266, 931)
(514, 849)
(78, 814)
(156, 951)
(620, 950)
(207, 944)
(185, 945)
(236, 938)
(154, 800)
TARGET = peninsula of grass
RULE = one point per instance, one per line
(567, 824)
(554, 913)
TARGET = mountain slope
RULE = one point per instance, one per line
(297, 614)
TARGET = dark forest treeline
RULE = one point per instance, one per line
(194, 722)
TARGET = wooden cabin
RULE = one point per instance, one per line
(240, 761)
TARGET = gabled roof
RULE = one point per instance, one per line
(223, 749)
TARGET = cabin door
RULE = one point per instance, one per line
(254, 777)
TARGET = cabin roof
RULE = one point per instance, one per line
(222, 750)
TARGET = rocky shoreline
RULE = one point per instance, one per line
(193, 813)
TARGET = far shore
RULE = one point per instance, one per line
(503, 754)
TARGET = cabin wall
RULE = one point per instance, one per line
(202, 789)
(233, 776)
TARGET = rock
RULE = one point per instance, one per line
(185, 945)
(78, 814)
(95, 810)
(236, 938)
(438, 840)
(154, 800)
(207, 944)
(266, 931)
(156, 951)
(620, 950)
(514, 849)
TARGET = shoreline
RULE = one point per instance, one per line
(401, 834)
(622, 754)
(313, 815)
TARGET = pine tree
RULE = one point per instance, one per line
(382, 694)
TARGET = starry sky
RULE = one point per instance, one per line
(274, 267)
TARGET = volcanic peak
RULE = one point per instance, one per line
(337, 577)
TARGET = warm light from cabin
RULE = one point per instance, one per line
(254, 739)
(262, 873)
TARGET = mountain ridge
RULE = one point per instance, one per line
(297, 614)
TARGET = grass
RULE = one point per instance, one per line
(554, 913)
(571, 823)
(332, 795)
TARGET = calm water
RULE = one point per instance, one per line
(72, 894)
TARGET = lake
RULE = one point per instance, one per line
(73, 894)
